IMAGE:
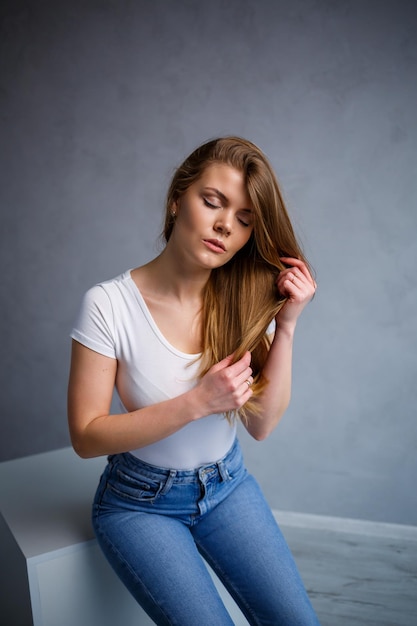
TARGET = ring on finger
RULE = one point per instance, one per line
(248, 381)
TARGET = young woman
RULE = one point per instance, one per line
(194, 340)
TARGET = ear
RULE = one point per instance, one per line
(174, 208)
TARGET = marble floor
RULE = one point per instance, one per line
(357, 573)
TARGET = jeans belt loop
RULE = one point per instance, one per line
(225, 476)
(168, 482)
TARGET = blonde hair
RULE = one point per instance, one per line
(240, 298)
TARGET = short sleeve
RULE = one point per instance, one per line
(94, 327)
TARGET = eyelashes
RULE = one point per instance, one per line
(210, 205)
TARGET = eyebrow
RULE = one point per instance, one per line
(224, 198)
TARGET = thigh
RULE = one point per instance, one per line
(157, 559)
(245, 547)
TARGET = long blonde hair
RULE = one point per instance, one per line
(240, 298)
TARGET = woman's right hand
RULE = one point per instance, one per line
(226, 386)
(96, 432)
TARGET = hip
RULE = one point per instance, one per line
(130, 484)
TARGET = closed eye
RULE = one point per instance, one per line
(210, 204)
(245, 218)
(245, 221)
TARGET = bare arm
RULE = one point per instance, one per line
(296, 283)
(94, 431)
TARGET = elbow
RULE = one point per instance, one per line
(261, 429)
(260, 434)
(82, 454)
(83, 441)
(80, 447)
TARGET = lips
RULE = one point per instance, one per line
(215, 244)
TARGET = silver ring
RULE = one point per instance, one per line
(248, 382)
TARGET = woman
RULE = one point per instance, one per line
(187, 341)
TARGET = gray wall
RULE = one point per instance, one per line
(100, 99)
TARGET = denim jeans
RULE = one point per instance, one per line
(154, 525)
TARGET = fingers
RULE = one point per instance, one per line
(234, 368)
(296, 280)
(226, 362)
(240, 373)
(298, 267)
(293, 262)
(292, 278)
(231, 382)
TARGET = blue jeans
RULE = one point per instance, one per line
(154, 525)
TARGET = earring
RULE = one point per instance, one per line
(173, 214)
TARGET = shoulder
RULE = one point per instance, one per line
(99, 315)
(102, 302)
(107, 292)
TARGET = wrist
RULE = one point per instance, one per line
(195, 404)
(284, 329)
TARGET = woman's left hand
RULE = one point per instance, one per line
(297, 284)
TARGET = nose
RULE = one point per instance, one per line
(223, 224)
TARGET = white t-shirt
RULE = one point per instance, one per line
(115, 321)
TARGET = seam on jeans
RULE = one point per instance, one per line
(195, 519)
(123, 561)
(237, 596)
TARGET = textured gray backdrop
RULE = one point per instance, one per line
(101, 99)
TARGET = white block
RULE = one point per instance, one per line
(52, 570)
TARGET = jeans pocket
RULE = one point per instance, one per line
(133, 486)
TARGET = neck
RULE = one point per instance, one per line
(169, 275)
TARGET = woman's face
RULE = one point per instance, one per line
(214, 218)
